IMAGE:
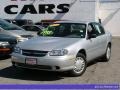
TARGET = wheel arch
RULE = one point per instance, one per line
(109, 44)
(83, 51)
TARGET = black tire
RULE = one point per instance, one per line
(74, 71)
(13, 65)
(106, 57)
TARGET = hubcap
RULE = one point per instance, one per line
(108, 53)
(79, 65)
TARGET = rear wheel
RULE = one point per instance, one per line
(79, 65)
(107, 55)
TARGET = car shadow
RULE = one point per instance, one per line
(36, 75)
(4, 57)
(95, 62)
(32, 75)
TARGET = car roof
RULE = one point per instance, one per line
(39, 26)
(82, 22)
(31, 25)
(18, 19)
(68, 21)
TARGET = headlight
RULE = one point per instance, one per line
(17, 50)
(58, 52)
(4, 43)
(20, 39)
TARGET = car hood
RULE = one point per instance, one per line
(47, 43)
(7, 38)
(20, 32)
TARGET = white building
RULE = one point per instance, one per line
(109, 12)
(80, 10)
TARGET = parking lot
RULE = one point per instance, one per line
(97, 72)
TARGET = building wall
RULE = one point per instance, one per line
(80, 10)
(109, 13)
(84, 10)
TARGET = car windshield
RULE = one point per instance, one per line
(70, 30)
(7, 26)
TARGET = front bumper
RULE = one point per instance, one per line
(49, 63)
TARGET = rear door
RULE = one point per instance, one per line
(101, 37)
(97, 45)
(93, 43)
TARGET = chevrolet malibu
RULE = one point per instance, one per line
(64, 46)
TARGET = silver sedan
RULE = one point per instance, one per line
(64, 46)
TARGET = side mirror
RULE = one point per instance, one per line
(91, 36)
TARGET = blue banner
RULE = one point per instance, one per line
(61, 86)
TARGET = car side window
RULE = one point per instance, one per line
(93, 30)
(99, 29)
(102, 29)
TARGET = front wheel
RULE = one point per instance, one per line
(79, 65)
